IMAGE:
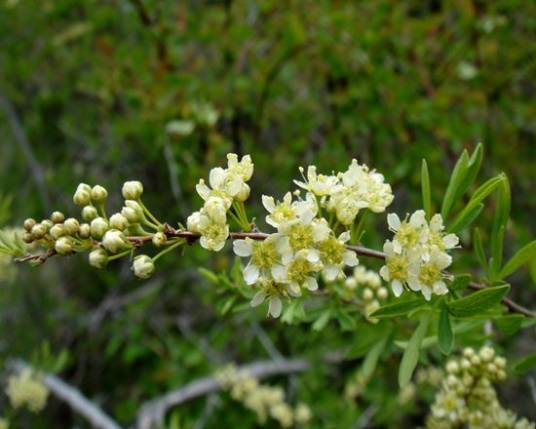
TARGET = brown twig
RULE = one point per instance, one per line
(192, 237)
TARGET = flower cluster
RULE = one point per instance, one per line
(417, 254)
(348, 192)
(467, 397)
(261, 399)
(368, 286)
(26, 389)
(228, 189)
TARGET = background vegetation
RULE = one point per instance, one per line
(105, 91)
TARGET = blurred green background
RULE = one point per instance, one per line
(111, 90)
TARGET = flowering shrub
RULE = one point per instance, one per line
(315, 238)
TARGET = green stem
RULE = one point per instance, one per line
(175, 244)
(357, 230)
(102, 210)
(149, 214)
(119, 255)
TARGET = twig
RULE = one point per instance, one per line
(72, 396)
(22, 140)
(192, 237)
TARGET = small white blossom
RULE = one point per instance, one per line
(319, 184)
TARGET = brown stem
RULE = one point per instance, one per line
(192, 237)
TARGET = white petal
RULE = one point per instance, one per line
(312, 255)
(384, 272)
(320, 231)
(243, 248)
(427, 293)
(345, 236)
(393, 221)
(268, 203)
(251, 273)
(294, 289)
(331, 272)
(350, 258)
(441, 259)
(450, 241)
(417, 219)
(414, 284)
(397, 247)
(203, 190)
(258, 299)
(217, 177)
(436, 223)
(275, 307)
(279, 273)
(440, 288)
(311, 283)
(388, 248)
(307, 216)
(287, 198)
(397, 288)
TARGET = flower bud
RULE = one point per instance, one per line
(57, 217)
(243, 194)
(350, 283)
(133, 211)
(83, 187)
(85, 230)
(192, 223)
(29, 224)
(118, 221)
(47, 223)
(143, 266)
(486, 353)
(39, 231)
(99, 194)
(71, 226)
(382, 293)
(132, 190)
(475, 360)
(98, 258)
(114, 241)
(368, 294)
(159, 239)
(27, 237)
(452, 367)
(89, 213)
(57, 231)
(82, 197)
(64, 245)
(99, 226)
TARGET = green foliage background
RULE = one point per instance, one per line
(94, 85)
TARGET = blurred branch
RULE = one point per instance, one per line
(71, 396)
(152, 413)
(21, 139)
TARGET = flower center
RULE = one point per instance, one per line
(332, 251)
(407, 235)
(301, 237)
(283, 212)
(264, 255)
(299, 270)
(429, 274)
(398, 267)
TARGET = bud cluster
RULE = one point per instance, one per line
(26, 389)
(263, 400)
(467, 397)
(367, 284)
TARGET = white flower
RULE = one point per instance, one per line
(286, 210)
(192, 223)
(215, 208)
(98, 258)
(318, 184)
(26, 389)
(132, 190)
(273, 291)
(114, 241)
(299, 273)
(434, 237)
(213, 234)
(244, 168)
(118, 221)
(395, 269)
(335, 256)
(407, 233)
(428, 277)
(143, 266)
(304, 233)
(267, 256)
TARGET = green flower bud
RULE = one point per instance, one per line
(85, 230)
(83, 187)
(57, 231)
(89, 213)
(47, 223)
(99, 194)
(29, 224)
(64, 245)
(99, 226)
(71, 226)
(98, 258)
(57, 217)
(368, 294)
(132, 211)
(39, 231)
(143, 266)
(243, 194)
(27, 237)
(382, 293)
(132, 190)
(118, 221)
(82, 197)
(159, 239)
(114, 241)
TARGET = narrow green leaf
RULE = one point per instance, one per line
(525, 364)
(480, 194)
(510, 323)
(398, 308)
(445, 334)
(372, 357)
(478, 302)
(460, 282)
(209, 275)
(425, 188)
(525, 254)
(346, 321)
(479, 249)
(456, 179)
(467, 220)
(411, 354)
(473, 167)
(502, 214)
(322, 321)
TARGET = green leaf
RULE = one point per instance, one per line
(371, 360)
(460, 282)
(425, 188)
(322, 320)
(510, 323)
(398, 308)
(502, 214)
(209, 275)
(525, 254)
(480, 194)
(473, 167)
(525, 364)
(456, 179)
(467, 220)
(346, 321)
(479, 249)
(361, 344)
(478, 302)
(445, 335)
(411, 354)
(293, 312)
